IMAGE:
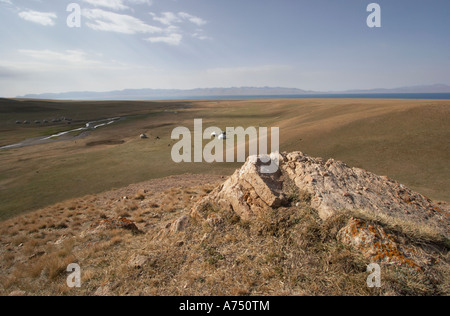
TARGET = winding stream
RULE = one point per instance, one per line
(59, 137)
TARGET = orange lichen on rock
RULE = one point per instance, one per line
(375, 243)
(437, 209)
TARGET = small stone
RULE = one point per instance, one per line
(61, 239)
(36, 255)
(181, 224)
(138, 262)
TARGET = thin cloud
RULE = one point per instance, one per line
(171, 39)
(201, 37)
(171, 18)
(110, 4)
(117, 5)
(191, 18)
(171, 33)
(42, 18)
(166, 18)
(101, 20)
(176, 24)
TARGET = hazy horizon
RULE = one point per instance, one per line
(136, 44)
(437, 91)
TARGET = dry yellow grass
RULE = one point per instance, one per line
(289, 251)
(36, 248)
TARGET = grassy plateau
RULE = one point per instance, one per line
(407, 140)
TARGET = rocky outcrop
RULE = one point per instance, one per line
(332, 188)
(335, 186)
(329, 187)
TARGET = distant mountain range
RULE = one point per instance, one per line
(151, 94)
(436, 88)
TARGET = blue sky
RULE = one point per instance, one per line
(322, 45)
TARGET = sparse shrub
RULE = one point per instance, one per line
(130, 205)
(33, 231)
(8, 257)
(115, 240)
(56, 266)
(125, 214)
(61, 226)
(21, 239)
(140, 195)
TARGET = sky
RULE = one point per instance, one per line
(320, 45)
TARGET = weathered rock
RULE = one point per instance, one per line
(138, 261)
(180, 224)
(247, 192)
(331, 187)
(61, 239)
(18, 293)
(175, 227)
(334, 186)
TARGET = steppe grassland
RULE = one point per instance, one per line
(406, 140)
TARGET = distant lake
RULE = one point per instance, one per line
(411, 96)
(420, 96)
